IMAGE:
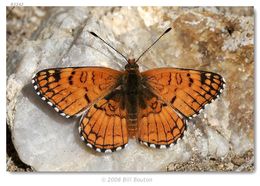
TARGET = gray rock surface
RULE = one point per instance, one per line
(213, 39)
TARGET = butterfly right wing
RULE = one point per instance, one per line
(103, 127)
(71, 90)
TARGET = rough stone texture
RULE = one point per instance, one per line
(229, 163)
(22, 24)
(213, 39)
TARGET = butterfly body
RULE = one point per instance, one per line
(132, 89)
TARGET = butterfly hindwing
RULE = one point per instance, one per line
(187, 91)
(71, 90)
(103, 127)
(158, 124)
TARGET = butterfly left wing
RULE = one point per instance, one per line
(187, 91)
(71, 90)
(103, 127)
(159, 126)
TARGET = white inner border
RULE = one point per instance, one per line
(97, 178)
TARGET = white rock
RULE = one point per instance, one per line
(217, 144)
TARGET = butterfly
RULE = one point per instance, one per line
(152, 106)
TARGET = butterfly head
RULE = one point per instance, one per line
(131, 65)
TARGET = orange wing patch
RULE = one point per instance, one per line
(188, 91)
(159, 126)
(104, 127)
(71, 90)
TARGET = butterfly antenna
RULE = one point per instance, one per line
(94, 34)
(168, 29)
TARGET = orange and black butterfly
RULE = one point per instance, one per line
(151, 106)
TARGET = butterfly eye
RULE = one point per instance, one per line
(127, 66)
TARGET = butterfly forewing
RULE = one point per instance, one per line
(187, 91)
(71, 90)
